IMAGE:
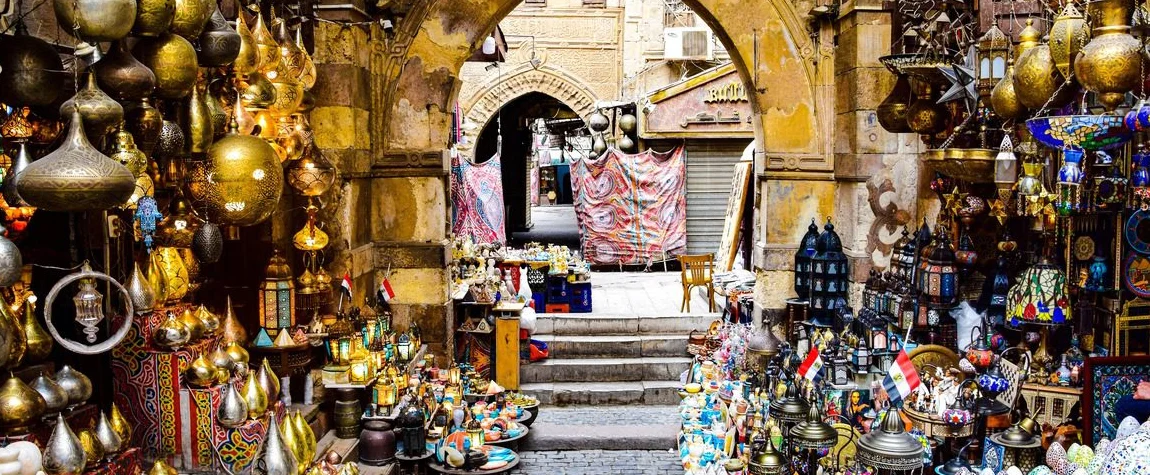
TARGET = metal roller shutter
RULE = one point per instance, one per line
(710, 167)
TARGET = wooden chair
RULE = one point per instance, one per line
(697, 271)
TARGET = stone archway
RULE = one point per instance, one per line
(484, 104)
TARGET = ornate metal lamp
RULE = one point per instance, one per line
(277, 294)
(803, 257)
(938, 281)
(765, 460)
(831, 274)
(790, 409)
(1021, 446)
(812, 433)
(890, 448)
(993, 49)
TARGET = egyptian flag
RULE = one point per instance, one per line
(812, 367)
(901, 379)
(385, 291)
(346, 284)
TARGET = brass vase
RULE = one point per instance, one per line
(107, 436)
(128, 154)
(93, 451)
(63, 454)
(221, 359)
(76, 177)
(19, 164)
(201, 373)
(925, 116)
(1067, 37)
(266, 45)
(239, 356)
(122, 75)
(75, 383)
(19, 406)
(31, 73)
(1004, 97)
(96, 20)
(19, 346)
(255, 396)
(173, 60)
(196, 122)
(120, 424)
(208, 243)
(39, 341)
(219, 43)
(210, 320)
(1036, 79)
(145, 123)
(268, 382)
(157, 281)
(892, 111)
(248, 57)
(100, 112)
(233, 410)
(153, 17)
(170, 334)
(1111, 63)
(196, 328)
(277, 458)
(232, 331)
(11, 261)
(54, 396)
(191, 17)
(240, 182)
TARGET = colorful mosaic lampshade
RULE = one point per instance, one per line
(938, 277)
(1039, 296)
(1070, 178)
(277, 294)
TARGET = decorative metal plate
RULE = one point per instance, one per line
(1084, 248)
(1138, 231)
(936, 355)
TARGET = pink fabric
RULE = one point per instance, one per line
(477, 199)
(631, 208)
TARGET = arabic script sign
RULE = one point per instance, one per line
(715, 108)
(731, 92)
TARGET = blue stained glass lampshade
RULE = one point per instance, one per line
(1086, 132)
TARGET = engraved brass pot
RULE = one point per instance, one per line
(39, 341)
(173, 60)
(153, 17)
(926, 116)
(1110, 64)
(219, 42)
(892, 111)
(122, 75)
(232, 331)
(191, 17)
(19, 406)
(76, 177)
(240, 182)
(96, 20)
(201, 373)
(63, 454)
(255, 396)
(171, 334)
(31, 73)
(1036, 78)
(75, 383)
(1067, 37)
(100, 112)
(233, 411)
(1004, 97)
(54, 396)
(145, 123)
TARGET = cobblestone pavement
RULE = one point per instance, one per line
(609, 415)
(599, 462)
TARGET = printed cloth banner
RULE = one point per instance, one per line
(477, 199)
(632, 209)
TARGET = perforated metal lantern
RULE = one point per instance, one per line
(803, 257)
(831, 274)
(1020, 445)
(938, 277)
(790, 409)
(890, 448)
(993, 49)
(813, 433)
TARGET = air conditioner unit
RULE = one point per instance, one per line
(688, 44)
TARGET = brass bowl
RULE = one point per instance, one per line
(975, 165)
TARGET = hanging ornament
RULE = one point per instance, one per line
(208, 243)
(144, 122)
(1004, 98)
(312, 175)
(288, 140)
(100, 112)
(269, 50)
(925, 115)
(146, 216)
(240, 182)
(196, 120)
(1036, 79)
(892, 111)
(219, 43)
(128, 154)
(248, 59)
(173, 60)
(16, 127)
(310, 237)
(11, 262)
(179, 228)
(153, 17)
(307, 69)
(76, 177)
(1070, 178)
(96, 20)
(122, 75)
(89, 305)
(191, 17)
(1110, 64)
(1068, 35)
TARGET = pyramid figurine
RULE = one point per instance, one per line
(262, 339)
(284, 339)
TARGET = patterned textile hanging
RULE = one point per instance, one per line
(477, 199)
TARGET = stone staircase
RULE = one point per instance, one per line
(599, 366)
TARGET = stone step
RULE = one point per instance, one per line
(616, 346)
(598, 394)
(601, 427)
(605, 324)
(561, 370)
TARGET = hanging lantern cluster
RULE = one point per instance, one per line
(830, 277)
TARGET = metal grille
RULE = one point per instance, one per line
(710, 168)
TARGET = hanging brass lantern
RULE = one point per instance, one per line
(76, 177)
(179, 227)
(19, 406)
(170, 143)
(145, 123)
(312, 175)
(1111, 63)
(175, 274)
(307, 69)
(893, 110)
(248, 59)
(173, 60)
(310, 237)
(1004, 98)
(269, 50)
(926, 116)
(191, 17)
(993, 49)
(240, 182)
(218, 114)
(100, 112)
(126, 153)
(288, 140)
(31, 73)
(122, 75)
(153, 17)
(1067, 37)
(258, 92)
(1036, 79)
(208, 243)
(196, 120)
(39, 341)
(11, 261)
(96, 20)
(219, 43)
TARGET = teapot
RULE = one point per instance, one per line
(979, 352)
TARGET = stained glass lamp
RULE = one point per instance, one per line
(1039, 296)
(277, 293)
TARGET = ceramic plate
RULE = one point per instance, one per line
(1138, 231)
(1136, 274)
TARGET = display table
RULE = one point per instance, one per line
(511, 443)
